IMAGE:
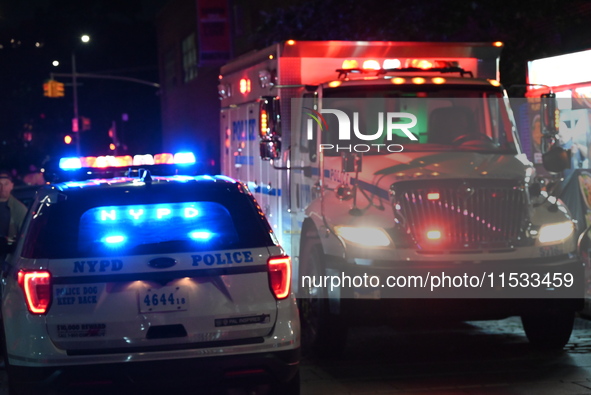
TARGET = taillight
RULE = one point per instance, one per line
(36, 286)
(280, 276)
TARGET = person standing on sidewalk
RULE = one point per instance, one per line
(12, 211)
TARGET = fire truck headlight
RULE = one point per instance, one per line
(364, 235)
(552, 233)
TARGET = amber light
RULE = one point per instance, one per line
(280, 276)
(349, 64)
(36, 286)
(433, 196)
(264, 123)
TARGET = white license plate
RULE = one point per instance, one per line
(163, 299)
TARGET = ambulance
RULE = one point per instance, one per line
(393, 175)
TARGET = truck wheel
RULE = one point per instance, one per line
(323, 334)
(549, 331)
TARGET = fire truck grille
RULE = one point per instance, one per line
(461, 214)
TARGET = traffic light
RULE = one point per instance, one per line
(58, 89)
(47, 89)
(53, 88)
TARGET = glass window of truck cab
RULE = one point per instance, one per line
(424, 119)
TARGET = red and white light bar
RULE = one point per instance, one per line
(101, 162)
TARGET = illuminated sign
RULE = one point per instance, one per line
(560, 70)
(132, 226)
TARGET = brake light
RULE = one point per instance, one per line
(280, 276)
(36, 286)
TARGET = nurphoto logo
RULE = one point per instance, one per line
(388, 122)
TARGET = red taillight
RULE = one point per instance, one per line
(280, 276)
(36, 286)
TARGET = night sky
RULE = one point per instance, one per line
(123, 43)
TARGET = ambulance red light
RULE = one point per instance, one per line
(391, 64)
(420, 64)
(398, 80)
(334, 84)
(434, 234)
(418, 80)
(280, 276)
(371, 65)
(350, 64)
(291, 42)
(498, 44)
(438, 80)
(36, 286)
(433, 196)
(244, 85)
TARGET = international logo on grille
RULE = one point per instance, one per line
(465, 191)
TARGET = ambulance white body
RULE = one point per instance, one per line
(425, 194)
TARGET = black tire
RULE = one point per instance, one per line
(549, 331)
(324, 334)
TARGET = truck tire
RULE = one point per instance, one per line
(549, 331)
(323, 334)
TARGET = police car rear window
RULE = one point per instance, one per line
(153, 224)
(137, 228)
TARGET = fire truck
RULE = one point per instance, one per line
(393, 174)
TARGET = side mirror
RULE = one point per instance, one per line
(270, 149)
(549, 114)
(556, 159)
(269, 127)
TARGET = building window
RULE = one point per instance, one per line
(169, 69)
(189, 58)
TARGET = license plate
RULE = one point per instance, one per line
(163, 299)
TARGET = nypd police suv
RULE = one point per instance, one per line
(133, 279)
